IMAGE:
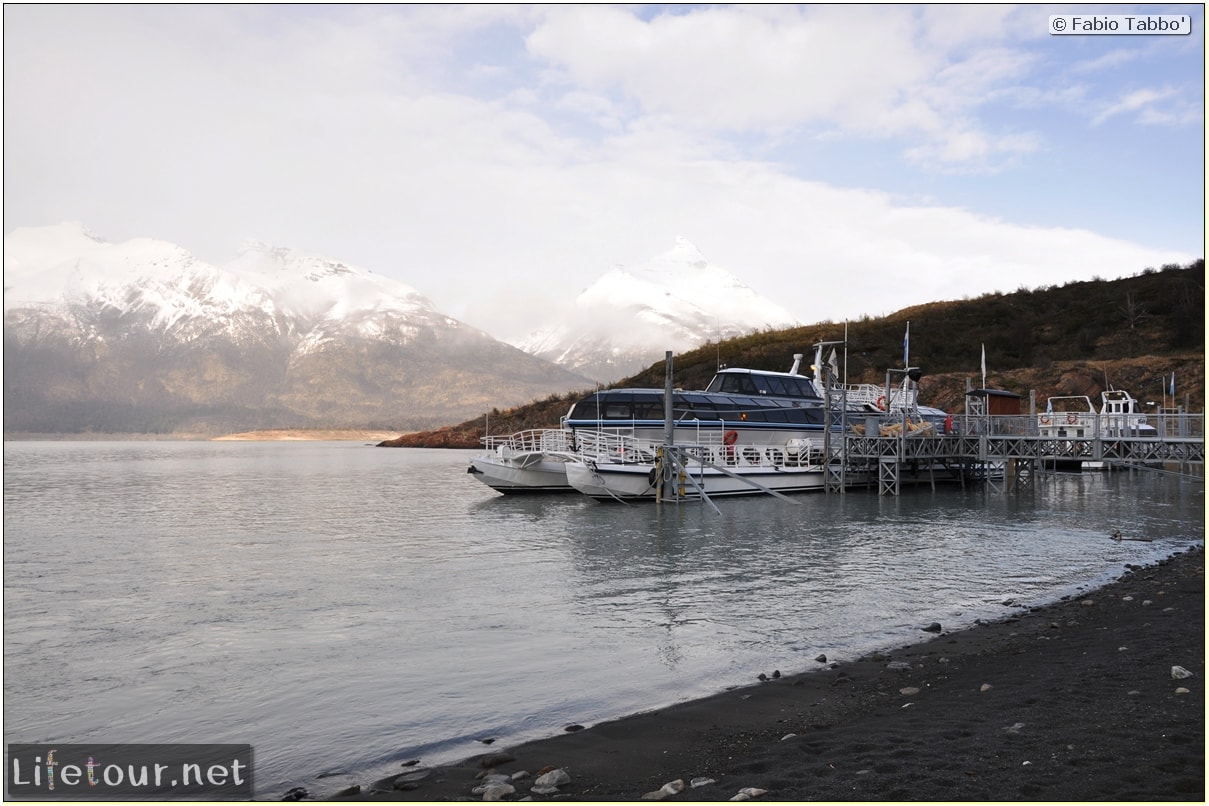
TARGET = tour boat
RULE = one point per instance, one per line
(741, 408)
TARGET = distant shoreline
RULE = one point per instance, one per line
(273, 435)
(298, 435)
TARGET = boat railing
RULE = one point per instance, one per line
(532, 440)
(1084, 425)
(870, 394)
(614, 446)
(712, 449)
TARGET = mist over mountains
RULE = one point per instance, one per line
(142, 337)
(629, 318)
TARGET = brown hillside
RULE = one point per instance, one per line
(1071, 340)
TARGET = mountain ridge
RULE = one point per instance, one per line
(1074, 339)
(143, 337)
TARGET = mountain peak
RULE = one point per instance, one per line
(628, 318)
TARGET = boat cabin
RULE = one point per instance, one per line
(645, 407)
(758, 382)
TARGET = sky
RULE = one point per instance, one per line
(844, 161)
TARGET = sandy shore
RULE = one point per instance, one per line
(1075, 701)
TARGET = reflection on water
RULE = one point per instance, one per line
(342, 607)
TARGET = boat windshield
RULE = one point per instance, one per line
(755, 383)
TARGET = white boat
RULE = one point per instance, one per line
(1074, 417)
(614, 467)
(532, 461)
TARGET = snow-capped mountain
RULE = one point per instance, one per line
(628, 318)
(142, 336)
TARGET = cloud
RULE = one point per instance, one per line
(1144, 102)
(500, 158)
(823, 68)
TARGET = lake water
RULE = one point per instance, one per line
(343, 608)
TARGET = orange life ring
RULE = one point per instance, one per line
(1045, 419)
(881, 402)
(1072, 418)
(730, 437)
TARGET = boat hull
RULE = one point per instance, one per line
(604, 481)
(525, 474)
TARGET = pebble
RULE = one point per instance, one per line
(986, 687)
(1180, 673)
(933, 627)
(909, 691)
(668, 789)
(696, 782)
(749, 792)
(494, 791)
(898, 665)
(1182, 690)
(553, 778)
(821, 659)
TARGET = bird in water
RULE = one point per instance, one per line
(1117, 536)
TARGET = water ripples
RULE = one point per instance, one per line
(342, 607)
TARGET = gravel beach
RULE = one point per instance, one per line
(1097, 697)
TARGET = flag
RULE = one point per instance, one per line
(907, 346)
(1172, 392)
(984, 365)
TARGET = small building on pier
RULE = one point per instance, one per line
(994, 402)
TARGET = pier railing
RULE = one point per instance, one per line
(993, 438)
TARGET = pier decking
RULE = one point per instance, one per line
(1011, 449)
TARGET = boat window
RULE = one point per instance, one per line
(586, 409)
(776, 416)
(617, 411)
(647, 411)
(648, 406)
(738, 385)
(805, 387)
(777, 387)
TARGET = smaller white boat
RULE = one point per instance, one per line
(1074, 417)
(532, 461)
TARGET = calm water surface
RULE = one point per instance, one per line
(343, 608)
